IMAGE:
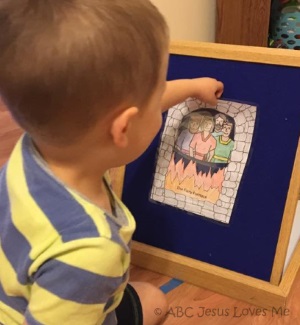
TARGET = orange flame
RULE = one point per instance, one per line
(199, 186)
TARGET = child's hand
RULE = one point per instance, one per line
(207, 90)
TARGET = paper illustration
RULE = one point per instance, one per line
(202, 157)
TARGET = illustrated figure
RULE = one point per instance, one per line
(203, 143)
(185, 137)
(224, 145)
(220, 119)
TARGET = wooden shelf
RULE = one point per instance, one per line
(243, 22)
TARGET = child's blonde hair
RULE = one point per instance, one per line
(63, 63)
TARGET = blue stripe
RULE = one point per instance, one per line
(115, 233)
(31, 320)
(15, 246)
(75, 284)
(109, 303)
(64, 212)
(172, 284)
(110, 318)
(17, 303)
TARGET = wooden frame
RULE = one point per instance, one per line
(229, 283)
(271, 294)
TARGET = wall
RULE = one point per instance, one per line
(189, 19)
(295, 237)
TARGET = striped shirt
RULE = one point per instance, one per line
(63, 260)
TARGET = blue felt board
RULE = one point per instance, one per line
(247, 245)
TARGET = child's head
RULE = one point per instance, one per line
(66, 63)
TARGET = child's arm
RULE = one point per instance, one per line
(207, 90)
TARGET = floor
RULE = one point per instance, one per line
(188, 305)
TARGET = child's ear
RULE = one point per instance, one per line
(121, 125)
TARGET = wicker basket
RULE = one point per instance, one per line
(285, 24)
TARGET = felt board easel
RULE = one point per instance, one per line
(245, 258)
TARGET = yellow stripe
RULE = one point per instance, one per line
(9, 279)
(98, 255)
(220, 158)
(43, 304)
(224, 142)
(9, 316)
(109, 249)
(26, 215)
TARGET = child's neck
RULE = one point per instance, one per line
(89, 184)
(81, 169)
